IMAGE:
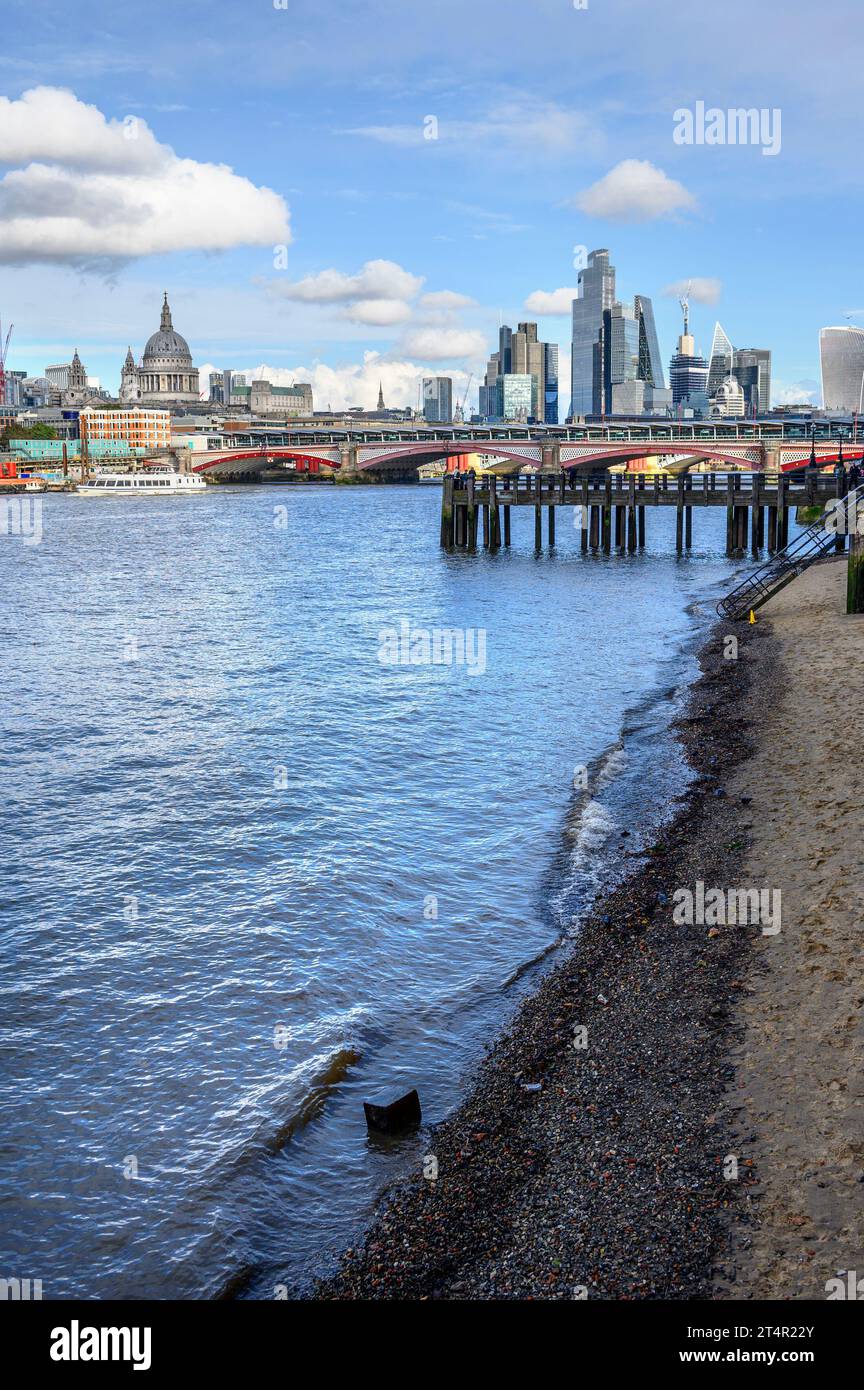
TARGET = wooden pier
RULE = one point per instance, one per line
(613, 506)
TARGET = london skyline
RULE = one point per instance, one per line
(402, 253)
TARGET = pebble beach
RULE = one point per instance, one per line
(649, 1127)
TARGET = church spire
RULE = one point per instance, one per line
(381, 405)
(166, 323)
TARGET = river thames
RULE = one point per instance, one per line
(258, 874)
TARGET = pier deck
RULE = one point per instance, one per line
(614, 506)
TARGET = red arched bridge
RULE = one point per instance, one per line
(753, 446)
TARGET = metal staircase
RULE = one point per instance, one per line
(814, 543)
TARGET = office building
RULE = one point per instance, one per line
(550, 383)
(139, 428)
(688, 373)
(521, 354)
(751, 368)
(615, 364)
(438, 399)
(841, 355)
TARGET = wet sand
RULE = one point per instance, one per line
(595, 1163)
(800, 1062)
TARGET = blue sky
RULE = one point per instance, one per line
(554, 131)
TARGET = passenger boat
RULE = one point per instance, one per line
(152, 482)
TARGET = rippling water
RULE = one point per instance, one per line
(255, 876)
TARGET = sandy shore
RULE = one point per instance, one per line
(800, 1062)
(591, 1158)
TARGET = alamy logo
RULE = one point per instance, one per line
(77, 1343)
(844, 516)
(21, 516)
(851, 1288)
(20, 1290)
(433, 646)
(737, 126)
(728, 907)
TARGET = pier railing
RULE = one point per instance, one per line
(614, 505)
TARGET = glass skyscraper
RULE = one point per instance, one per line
(615, 351)
(841, 353)
(550, 379)
(514, 396)
(721, 361)
(596, 295)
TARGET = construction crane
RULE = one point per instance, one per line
(460, 409)
(4, 348)
(684, 301)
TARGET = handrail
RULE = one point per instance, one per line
(814, 543)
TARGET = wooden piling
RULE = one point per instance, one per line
(595, 528)
(471, 514)
(447, 510)
(855, 570)
(782, 512)
(641, 511)
(494, 519)
(506, 511)
(679, 516)
(772, 530)
(688, 527)
(631, 529)
(619, 528)
(551, 525)
(606, 516)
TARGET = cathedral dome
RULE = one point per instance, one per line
(167, 375)
(166, 345)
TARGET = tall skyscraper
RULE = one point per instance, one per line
(550, 379)
(721, 361)
(616, 368)
(752, 370)
(521, 354)
(438, 399)
(688, 373)
(526, 354)
(841, 354)
(650, 361)
(596, 295)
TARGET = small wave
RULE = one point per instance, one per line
(316, 1097)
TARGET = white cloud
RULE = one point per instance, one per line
(700, 289)
(550, 301)
(376, 280)
(635, 191)
(94, 191)
(446, 299)
(538, 128)
(795, 393)
(440, 344)
(378, 312)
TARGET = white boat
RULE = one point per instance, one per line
(152, 482)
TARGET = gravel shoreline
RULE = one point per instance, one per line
(597, 1171)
